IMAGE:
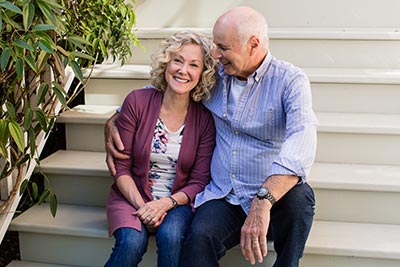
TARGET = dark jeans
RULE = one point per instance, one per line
(130, 244)
(216, 228)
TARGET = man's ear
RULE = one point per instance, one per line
(254, 43)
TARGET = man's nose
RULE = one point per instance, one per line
(216, 53)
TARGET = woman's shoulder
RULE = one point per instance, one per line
(143, 94)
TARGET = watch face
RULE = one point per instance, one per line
(262, 192)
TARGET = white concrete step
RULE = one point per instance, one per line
(342, 137)
(333, 89)
(320, 46)
(78, 236)
(34, 264)
(344, 192)
(356, 193)
(78, 177)
(359, 138)
(283, 13)
(85, 126)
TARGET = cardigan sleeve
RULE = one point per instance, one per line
(126, 123)
(199, 173)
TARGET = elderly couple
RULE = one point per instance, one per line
(213, 154)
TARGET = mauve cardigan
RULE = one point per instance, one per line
(136, 123)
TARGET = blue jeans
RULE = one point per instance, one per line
(216, 228)
(130, 244)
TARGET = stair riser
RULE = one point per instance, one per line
(85, 137)
(334, 53)
(332, 147)
(79, 251)
(358, 148)
(357, 206)
(356, 97)
(68, 250)
(310, 13)
(327, 97)
(111, 92)
(81, 190)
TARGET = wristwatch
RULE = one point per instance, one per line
(263, 193)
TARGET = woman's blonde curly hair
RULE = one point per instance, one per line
(172, 45)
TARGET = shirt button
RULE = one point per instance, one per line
(224, 115)
(234, 152)
(233, 176)
(236, 132)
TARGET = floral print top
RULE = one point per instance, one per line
(164, 154)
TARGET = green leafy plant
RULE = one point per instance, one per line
(41, 40)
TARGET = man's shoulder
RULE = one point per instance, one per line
(286, 66)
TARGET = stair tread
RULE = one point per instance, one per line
(75, 220)
(323, 175)
(355, 239)
(355, 177)
(34, 264)
(335, 75)
(365, 123)
(362, 239)
(70, 162)
(90, 114)
(380, 33)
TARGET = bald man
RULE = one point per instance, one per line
(265, 147)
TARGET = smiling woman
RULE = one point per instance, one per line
(158, 185)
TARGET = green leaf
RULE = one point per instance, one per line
(53, 204)
(60, 93)
(23, 187)
(42, 91)
(81, 55)
(11, 111)
(77, 70)
(11, 7)
(17, 135)
(1, 23)
(3, 138)
(23, 160)
(45, 46)
(47, 12)
(35, 190)
(5, 58)
(19, 67)
(44, 196)
(43, 27)
(23, 44)
(28, 118)
(31, 63)
(41, 117)
(32, 141)
(53, 4)
(28, 14)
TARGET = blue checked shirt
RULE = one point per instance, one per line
(270, 130)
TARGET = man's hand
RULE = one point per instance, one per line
(253, 238)
(113, 143)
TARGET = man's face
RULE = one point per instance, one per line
(232, 54)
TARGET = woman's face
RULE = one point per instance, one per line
(184, 70)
